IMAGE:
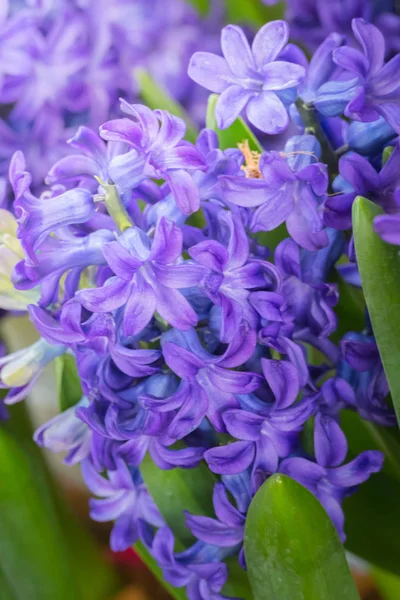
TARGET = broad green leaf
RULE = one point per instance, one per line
(151, 564)
(372, 514)
(69, 387)
(236, 134)
(156, 97)
(80, 551)
(177, 490)
(33, 557)
(292, 549)
(379, 265)
(202, 6)
(252, 12)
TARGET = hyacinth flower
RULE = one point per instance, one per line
(256, 80)
(359, 178)
(292, 190)
(368, 87)
(195, 286)
(327, 478)
(124, 498)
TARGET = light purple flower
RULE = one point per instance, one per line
(254, 80)
(148, 276)
(123, 498)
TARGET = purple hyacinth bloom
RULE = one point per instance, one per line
(373, 89)
(230, 274)
(155, 149)
(328, 479)
(66, 433)
(39, 217)
(59, 256)
(227, 530)
(255, 80)
(293, 188)
(266, 432)
(148, 276)
(197, 568)
(359, 178)
(123, 498)
(209, 385)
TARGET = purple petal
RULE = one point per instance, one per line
(267, 112)
(243, 425)
(388, 227)
(167, 243)
(112, 295)
(210, 71)
(361, 355)
(224, 510)
(329, 441)
(372, 42)
(231, 459)
(358, 470)
(269, 42)
(213, 532)
(184, 190)
(234, 382)
(210, 254)
(283, 379)
(236, 50)
(281, 75)
(139, 308)
(181, 361)
(174, 308)
(230, 105)
(304, 471)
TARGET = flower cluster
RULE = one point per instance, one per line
(197, 288)
(65, 63)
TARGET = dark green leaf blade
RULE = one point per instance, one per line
(372, 514)
(236, 134)
(252, 12)
(292, 549)
(379, 265)
(32, 555)
(202, 6)
(68, 383)
(156, 97)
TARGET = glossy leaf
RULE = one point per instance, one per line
(379, 265)
(236, 134)
(69, 387)
(81, 555)
(157, 98)
(372, 514)
(292, 549)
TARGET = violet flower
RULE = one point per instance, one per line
(253, 80)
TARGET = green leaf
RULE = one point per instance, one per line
(69, 387)
(156, 97)
(151, 564)
(236, 134)
(33, 557)
(81, 554)
(372, 514)
(292, 549)
(379, 266)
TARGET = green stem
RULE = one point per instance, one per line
(313, 127)
(115, 208)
